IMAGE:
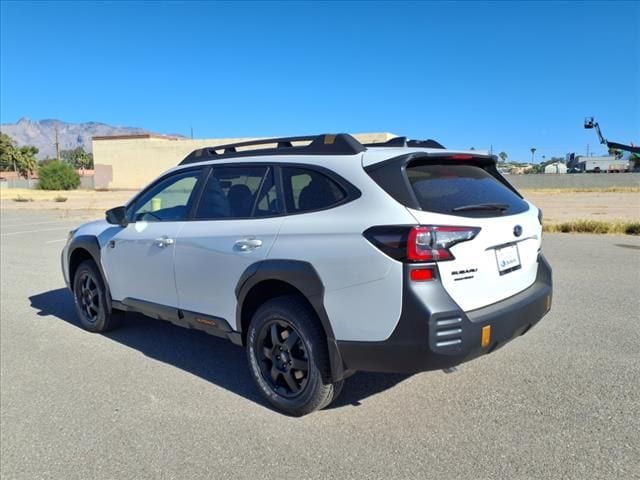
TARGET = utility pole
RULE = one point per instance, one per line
(587, 149)
(57, 146)
(191, 133)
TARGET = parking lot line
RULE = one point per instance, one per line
(33, 231)
(34, 223)
(56, 241)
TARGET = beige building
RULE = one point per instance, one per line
(131, 161)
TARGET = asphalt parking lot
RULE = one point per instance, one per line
(153, 401)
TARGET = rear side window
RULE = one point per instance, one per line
(307, 190)
(231, 192)
(465, 190)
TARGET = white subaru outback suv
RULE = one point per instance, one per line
(322, 256)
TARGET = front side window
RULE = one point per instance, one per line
(307, 190)
(238, 192)
(168, 200)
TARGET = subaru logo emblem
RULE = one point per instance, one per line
(517, 230)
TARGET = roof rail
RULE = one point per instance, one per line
(326, 144)
(403, 142)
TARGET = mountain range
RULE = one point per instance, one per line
(42, 134)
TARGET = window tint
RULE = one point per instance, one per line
(167, 200)
(443, 188)
(231, 192)
(309, 190)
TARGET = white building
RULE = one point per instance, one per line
(556, 167)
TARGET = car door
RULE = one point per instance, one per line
(235, 225)
(138, 260)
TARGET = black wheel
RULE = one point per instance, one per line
(91, 299)
(288, 359)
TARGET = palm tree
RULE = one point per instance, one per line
(533, 154)
(26, 162)
(503, 156)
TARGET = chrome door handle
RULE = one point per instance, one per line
(163, 241)
(248, 244)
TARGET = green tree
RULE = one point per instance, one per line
(8, 152)
(503, 156)
(78, 158)
(18, 159)
(57, 175)
(27, 162)
(47, 160)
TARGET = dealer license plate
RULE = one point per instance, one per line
(508, 259)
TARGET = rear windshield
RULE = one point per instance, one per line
(464, 190)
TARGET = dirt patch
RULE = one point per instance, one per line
(616, 227)
(75, 199)
(563, 206)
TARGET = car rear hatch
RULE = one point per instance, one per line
(496, 256)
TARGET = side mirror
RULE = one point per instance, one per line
(117, 216)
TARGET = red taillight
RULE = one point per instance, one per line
(432, 243)
(461, 157)
(419, 244)
(421, 274)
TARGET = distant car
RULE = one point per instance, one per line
(322, 259)
(574, 170)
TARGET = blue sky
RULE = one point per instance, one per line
(512, 75)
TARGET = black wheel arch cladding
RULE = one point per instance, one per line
(305, 279)
(76, 255)
(86, 243)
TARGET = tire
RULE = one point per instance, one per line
(337, 390)
(92, 301)
(288, 359)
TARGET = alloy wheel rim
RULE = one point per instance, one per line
(88, 297)
(283, 358)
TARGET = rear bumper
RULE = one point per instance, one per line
(434, 333)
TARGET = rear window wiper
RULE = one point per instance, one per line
(482, 206)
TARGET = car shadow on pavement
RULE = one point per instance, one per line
(213, 359)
